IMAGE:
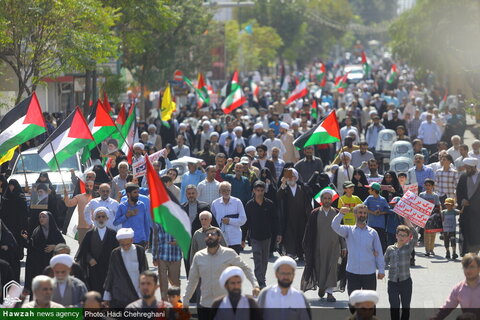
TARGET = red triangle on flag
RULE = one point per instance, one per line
(330, 123)
(34, 114)
(79, 128)
(122, 116)
(102, 118)
(106, 103)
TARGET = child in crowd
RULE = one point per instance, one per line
(433, 224)
(350, 201)
(397, 259)
(173, 294)
(402, 179)
(449, 223)
(377, 208)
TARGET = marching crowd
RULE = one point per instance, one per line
(327, 207)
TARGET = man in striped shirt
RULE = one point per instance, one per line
(208, 188)
(446, 179)
(167, 256)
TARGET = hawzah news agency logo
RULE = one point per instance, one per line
(11, 291)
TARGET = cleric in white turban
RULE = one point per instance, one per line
(364, 302)
(67, 290)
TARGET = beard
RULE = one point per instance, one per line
(100, 225)
(284, 284)
(146, 296)
(292, 183)
(362, 219)
(134, 200)
(212, 243)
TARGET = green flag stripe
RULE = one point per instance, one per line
(173, 226)
(26, 134)
(67, 152)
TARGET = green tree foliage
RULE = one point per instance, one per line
(41, 38)
(247, 51)
(375, 11)
(441, 35)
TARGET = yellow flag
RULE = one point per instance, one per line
(8, 156)
(168, 105)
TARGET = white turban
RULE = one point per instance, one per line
(207, 122)
(284, 125)
(250, 148)
(152, 126)
(359, 296)
(296, 122)
(346, 154)
(182, 125)
(373, 112)
(257, 126)
(334, 167)
(64, 259)
(229, 273)
(139, 145)
(295, 172)
(284, 260)
(100, 209)
(214, 133)
(326, 190)
(238, 129)
(125, 233)
(471, 162)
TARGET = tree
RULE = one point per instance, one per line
(375, 11)
(440, 35)
(42, 38)
(249, 51)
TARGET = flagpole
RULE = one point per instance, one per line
(58, 166)
(23, 167)
(124, 140)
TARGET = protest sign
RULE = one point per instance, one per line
(410, 187)
(414, 208)
(140, 167)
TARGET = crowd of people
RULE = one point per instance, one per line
(326, 207)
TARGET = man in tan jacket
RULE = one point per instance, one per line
(291, 154)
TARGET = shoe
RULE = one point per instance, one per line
(331, 298)
(447, 256)
(432, 253)
(427, 254)
(454, 256)
(321, 293)
(412, 263)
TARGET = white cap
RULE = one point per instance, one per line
(152, 126)
(295, 172)
(257, 126)
(346, 154)
(207, 122)
(182, 125)
(471, 162)
(238, 129)
(64, 259)
(284, 125)
(214, 133)
(326, 191)
(139, 145)
(230, 272)
(100, 209)
(359, 296)
(284, 260)
(125, 233)
(249, 149)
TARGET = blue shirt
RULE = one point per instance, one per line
(140, 223)
(190, 178)
(373, 204)
(423, 174)
(275, 127)
(145, 200)
(240, 187)
(361, 245)
(162, 249)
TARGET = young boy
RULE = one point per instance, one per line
(402, 179)
(449, 222)
(173, 294)
(430, 227)
(397, 259)
(350, 201)
(377, 209)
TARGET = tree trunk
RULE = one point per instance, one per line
(88, 90)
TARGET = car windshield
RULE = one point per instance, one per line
(35, 164)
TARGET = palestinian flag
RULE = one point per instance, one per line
(234, 96)
(24, 122)
(101, 126)
(322, 75)
(366, 66)
(69, 137)
(122, 116)
(299, 92)
(393, 74)
(314, 109)
(166, 212)
(201, 93)
(332, 191)
(327, 131)
(106, 103)
(341, 83)
(255, 90)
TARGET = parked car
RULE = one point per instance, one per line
(355, 72)
(29, 165)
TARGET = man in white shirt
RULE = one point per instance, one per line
(208, 188)
(103, 201)
(230, 216)
(459, 161)
(475, 153)
(453, 151)
(282, 301)
(274, 142)
(430, 133)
